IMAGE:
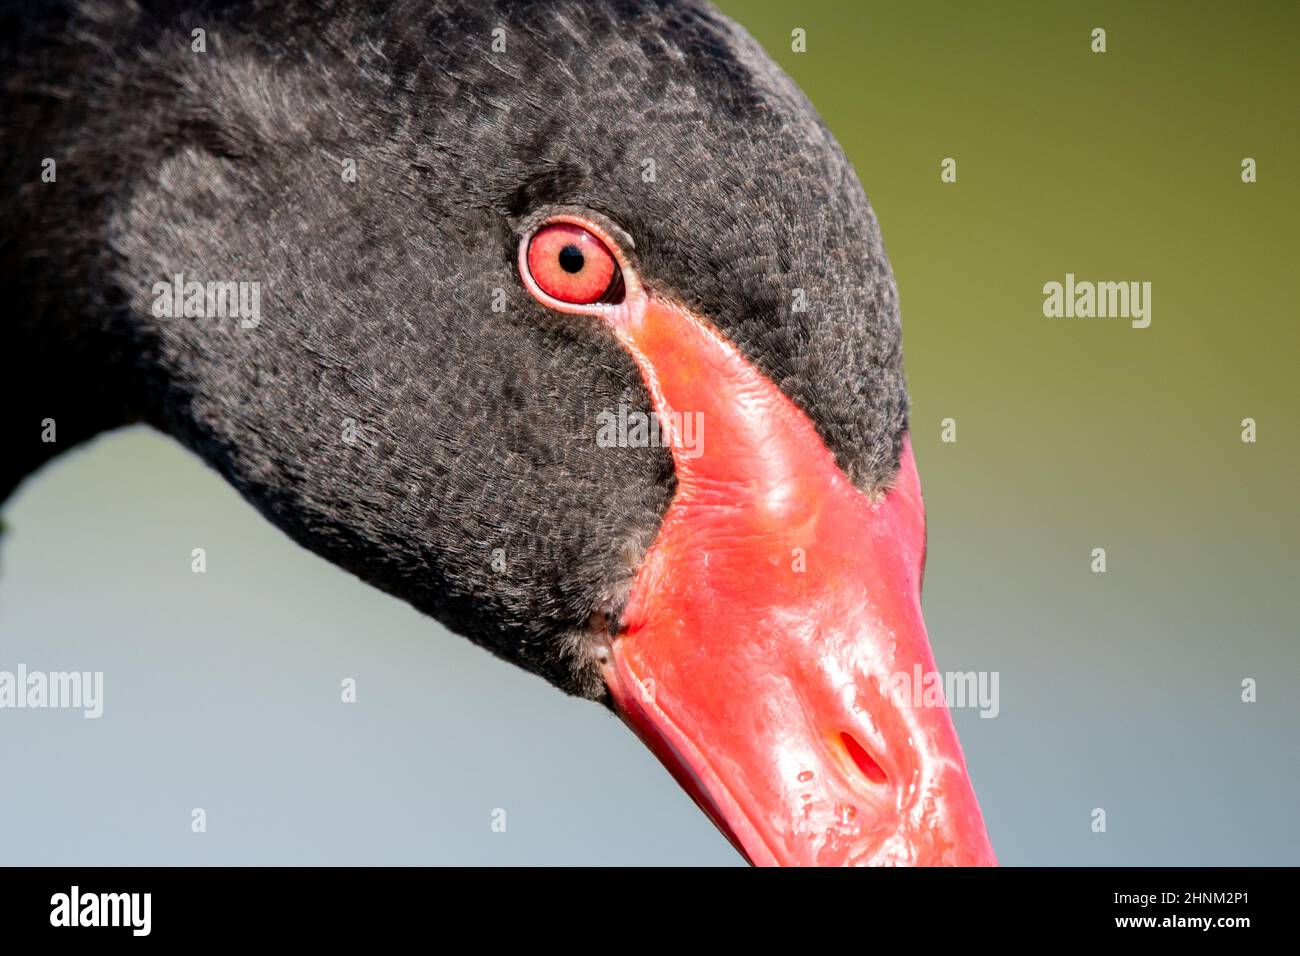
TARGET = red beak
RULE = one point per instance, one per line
(761, 649)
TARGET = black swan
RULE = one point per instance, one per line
(568, 323)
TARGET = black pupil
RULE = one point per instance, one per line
(571, 259)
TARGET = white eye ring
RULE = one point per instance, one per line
(632, 289)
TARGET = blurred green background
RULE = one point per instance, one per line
(1119, 691)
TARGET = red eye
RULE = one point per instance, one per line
(571, 264)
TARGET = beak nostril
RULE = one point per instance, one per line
(866, 763)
